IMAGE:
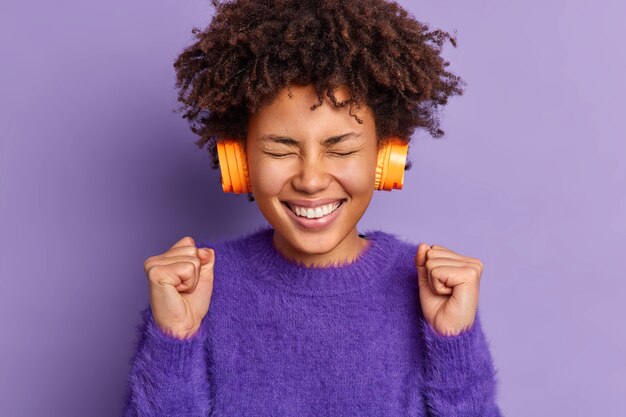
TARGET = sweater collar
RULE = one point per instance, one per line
(372, 263)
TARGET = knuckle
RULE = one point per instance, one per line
(186, 251)
(190, 268)
(148, 260)
(196, 262)
(155, 272)
(473, 271)
(476, 261)
(184, 241)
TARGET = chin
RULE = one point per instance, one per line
(313, 243)
(308, 243)
(304, 244)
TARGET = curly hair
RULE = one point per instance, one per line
(252, 49)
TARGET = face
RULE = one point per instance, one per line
(312, 174)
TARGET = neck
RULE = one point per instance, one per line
(344, 253)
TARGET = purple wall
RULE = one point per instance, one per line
(97, 174)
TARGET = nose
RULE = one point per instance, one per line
(311, 177)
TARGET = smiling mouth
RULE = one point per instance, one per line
(314, 212)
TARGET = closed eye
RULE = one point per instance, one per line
(279, 155)
(343, 153)
(282, 155)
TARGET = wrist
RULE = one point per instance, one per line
(178, 333)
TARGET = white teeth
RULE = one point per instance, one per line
(316, 212)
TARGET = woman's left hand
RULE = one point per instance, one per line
(448, 288)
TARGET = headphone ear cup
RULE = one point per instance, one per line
(236, 178)
(390, 166)
(233, 166)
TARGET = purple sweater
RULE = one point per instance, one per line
(282, 339)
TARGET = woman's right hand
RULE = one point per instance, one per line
(181, 284)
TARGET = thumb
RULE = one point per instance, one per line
(423, 279)
(204, 254)
(207, 258)
(420, 262)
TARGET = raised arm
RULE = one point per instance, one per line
(169, 376)
(458, 373)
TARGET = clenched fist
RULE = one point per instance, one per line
(181, 284)
(448, 288)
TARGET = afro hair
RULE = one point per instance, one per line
(252, 49)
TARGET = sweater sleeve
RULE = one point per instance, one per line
(169, 376)
(459, 375)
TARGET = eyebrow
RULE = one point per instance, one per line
(285, 140)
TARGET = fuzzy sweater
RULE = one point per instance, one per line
(283, 339)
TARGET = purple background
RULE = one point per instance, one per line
(97, 174)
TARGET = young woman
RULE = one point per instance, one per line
(306, 316)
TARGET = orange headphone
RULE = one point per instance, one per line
(235, 178)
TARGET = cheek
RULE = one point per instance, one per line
(267, 179)
(357, 177)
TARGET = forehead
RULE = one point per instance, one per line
(290, 114)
